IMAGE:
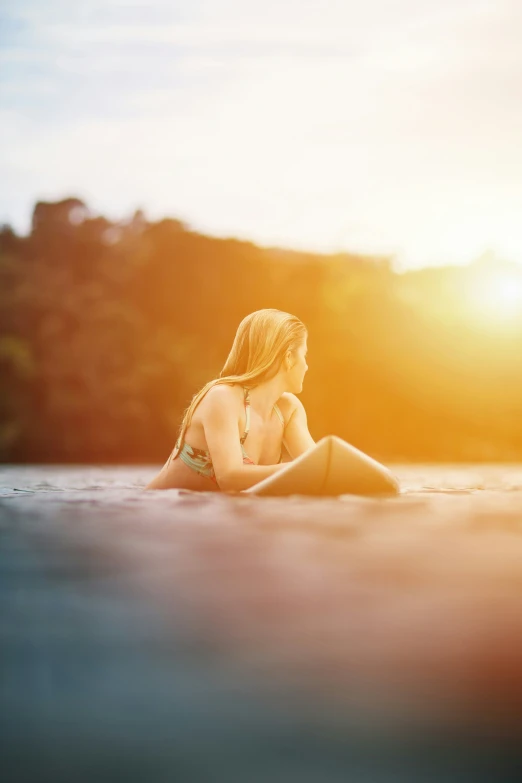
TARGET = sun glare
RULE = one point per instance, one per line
(496, 294)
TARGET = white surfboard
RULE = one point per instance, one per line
(331, 467)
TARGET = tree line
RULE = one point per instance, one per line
(107, 329)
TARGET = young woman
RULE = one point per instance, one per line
(233, 431)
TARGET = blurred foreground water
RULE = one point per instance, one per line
(171, 636)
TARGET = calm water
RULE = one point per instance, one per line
(175, 636)
(49, 478)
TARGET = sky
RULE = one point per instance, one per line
(389, 128)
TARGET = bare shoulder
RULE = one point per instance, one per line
(288, 404)
(222, 396)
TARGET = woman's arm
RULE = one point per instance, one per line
(297, 438)
(219, 418)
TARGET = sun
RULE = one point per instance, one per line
(496, 294)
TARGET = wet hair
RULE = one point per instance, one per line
(260, 345)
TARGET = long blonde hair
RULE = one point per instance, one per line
(261, 342)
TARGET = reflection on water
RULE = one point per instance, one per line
(174, 636)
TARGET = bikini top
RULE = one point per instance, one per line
(200, 460)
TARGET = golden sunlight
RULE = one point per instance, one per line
(496, 293)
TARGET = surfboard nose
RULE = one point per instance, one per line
(350, 470)
(331, 467)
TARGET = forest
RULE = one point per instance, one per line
(107, 330)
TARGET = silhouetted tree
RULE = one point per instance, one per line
(107, 329)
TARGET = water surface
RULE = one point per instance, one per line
(181, 636)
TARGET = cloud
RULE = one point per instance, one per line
(385, 126)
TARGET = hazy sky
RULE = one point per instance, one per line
(387, 127)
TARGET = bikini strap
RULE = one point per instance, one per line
(281, 417)
(247, 415)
